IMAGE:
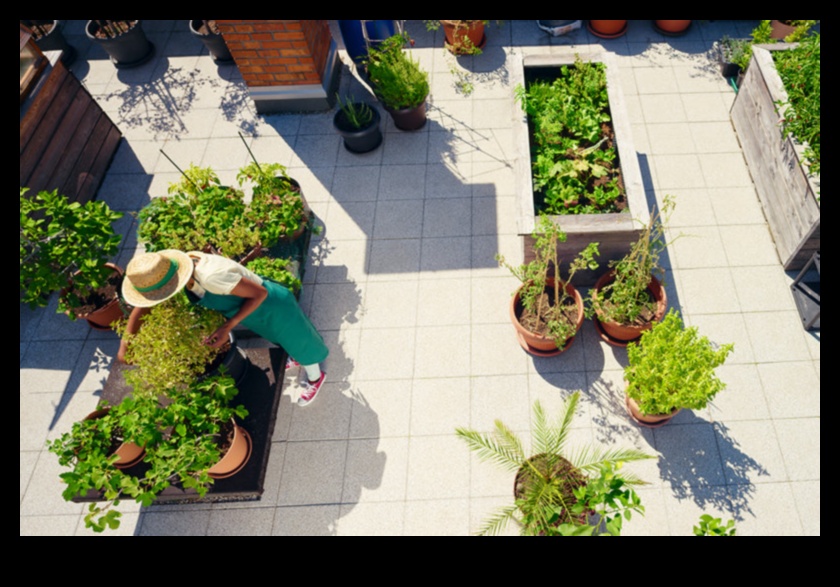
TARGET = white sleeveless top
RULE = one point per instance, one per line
(218, 275)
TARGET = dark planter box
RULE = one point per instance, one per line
(787, 192)
(616, 232)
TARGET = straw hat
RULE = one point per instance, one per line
(152, 278)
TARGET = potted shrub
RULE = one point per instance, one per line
(278, 212)
(207, 31)
(398, 82)
(547, 311)
(169, 351)
(669, 369)
(630, 297)
(558, 491)
(462, 37)
(358, 125)
(123, 40)
(184, 441)
(199, 214)
(65, 247)
(732, 56)
(49, 36)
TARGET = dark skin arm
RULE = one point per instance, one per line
(135, 320)
(254, 294)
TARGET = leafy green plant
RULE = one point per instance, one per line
(575, 161)
(763, 35)
(64, 247)
(799, 69)
(198, 213)
(276, 210)
(168, 352)
(278, 270)
(549, 312)
(673, 367)
(735, 51)
(557, 489)
(355, 114)
(709, 526)
(626, 299)
(461, 43)
(398, 80)
(183, 439)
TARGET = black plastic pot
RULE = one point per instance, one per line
(214, 42)
(409, 118)
(359, 140)
(54, 40)
(130, 49)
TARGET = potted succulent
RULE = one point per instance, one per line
(630, 297)
(168, 351)
(185, 440)
(49, 36)
(398, 82)
(557, 491)
(199, 214)
(671, 368)
(358, 124)
(65, 247)
(123, 40)
(547, 311)
(207, 31)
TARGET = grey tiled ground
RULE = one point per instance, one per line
(413, 307)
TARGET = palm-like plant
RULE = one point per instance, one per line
(557, 489)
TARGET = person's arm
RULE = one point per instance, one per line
(254, 294)
(135, 320)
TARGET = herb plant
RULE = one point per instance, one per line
(626, 299)
(397, 79)
(355, 114)
(557, 488)
(799, 69)
(276, 210)
(277, 270)
(673, 367)
(575, 160)
(547, 312)
(64, 246)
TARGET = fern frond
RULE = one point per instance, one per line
(489, 449)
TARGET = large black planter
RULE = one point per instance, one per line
(54, 39)
(359, 140)
(213, 41)
(130, 49)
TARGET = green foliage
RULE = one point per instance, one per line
(64, 246)
(534, 277)
(168, 352)
(356, 114)
(558, 488)
(181, 439)
(735, 51)
(276, 210)
(763, 35)
(575, 162)
(626, 300)
(397, 79)
(673, 367)
(709, 526)
(277, 270)
(799, 69)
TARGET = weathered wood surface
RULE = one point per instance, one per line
(67, 141)
(615, 232)
(786, 191)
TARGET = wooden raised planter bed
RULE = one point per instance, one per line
(788, 194)
(615, 232)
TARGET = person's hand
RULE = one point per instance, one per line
(122, 351)
(218, 338)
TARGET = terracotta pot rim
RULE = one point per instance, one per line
(647, 420)
(537, 344)
(230, 464)
(622, 334)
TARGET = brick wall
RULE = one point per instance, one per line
(278, 52)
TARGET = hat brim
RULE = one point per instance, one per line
(172, 287)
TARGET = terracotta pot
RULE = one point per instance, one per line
(103, 318)
(235, 459)
(536, 344)
(620, 334)
(464, 39)
(647, 420)
(129, 453)
(607, 29)
(780, 30)
(672, 27)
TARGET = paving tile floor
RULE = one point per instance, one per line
(404, 287)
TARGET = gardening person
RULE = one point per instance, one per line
(243, 297)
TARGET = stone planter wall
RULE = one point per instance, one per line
(615, 232)
(787, 193)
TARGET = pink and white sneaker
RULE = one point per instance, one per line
(291, 363)
(310, 390)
